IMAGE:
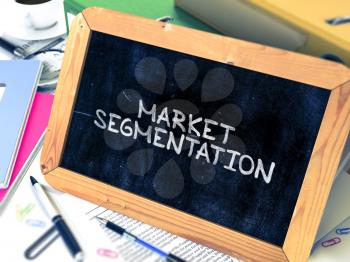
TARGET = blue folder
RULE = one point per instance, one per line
(18, 84)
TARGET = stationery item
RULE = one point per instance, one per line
(31, 143)
(41, 244)
(48, 48)
(120, 248)
(121, 231)
(98, 245)
(211, 136)
(337, 206)
(50, 52)
(335, 245)
(181, 247)
(27, 48)
(318, 28)
(23, 217)
(21, 79)
(57, 220)
(18, 52)
(102, 245)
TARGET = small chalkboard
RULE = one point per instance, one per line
(224, 142)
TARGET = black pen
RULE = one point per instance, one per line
(60, 224)
(15, 50)
(121, 231)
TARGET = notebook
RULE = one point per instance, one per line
(31, 142)
(19, 80)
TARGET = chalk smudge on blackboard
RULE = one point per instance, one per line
(84, 114)
(128, 101)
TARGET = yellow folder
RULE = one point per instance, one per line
(326, 22)
(316, 27)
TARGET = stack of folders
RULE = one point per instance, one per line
(24, 114)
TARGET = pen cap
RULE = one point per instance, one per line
(67, 237)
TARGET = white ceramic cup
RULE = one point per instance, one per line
(39, 14)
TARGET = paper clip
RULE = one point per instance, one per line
(35, 223)
(331, 242)
(343, 231)
(21, 213)
(107, 253)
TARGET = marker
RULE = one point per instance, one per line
(121, 231)
(59, 223)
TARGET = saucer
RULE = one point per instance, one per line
(16, 27)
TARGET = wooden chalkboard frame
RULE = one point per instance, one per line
(323, 163)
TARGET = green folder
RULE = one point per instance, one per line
(147, 8)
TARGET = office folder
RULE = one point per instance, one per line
(19, 80)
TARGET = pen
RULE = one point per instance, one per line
(17, 51)
(121, 231)
(59, 223)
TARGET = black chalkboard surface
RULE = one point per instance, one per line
(220, 142)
